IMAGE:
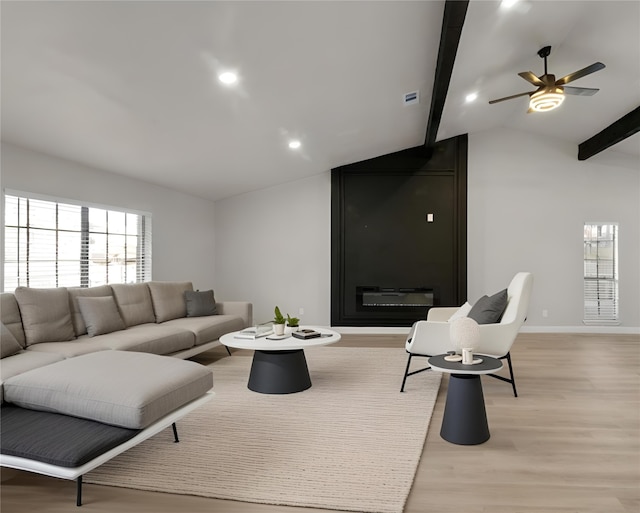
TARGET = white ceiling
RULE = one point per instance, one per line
(131, 87)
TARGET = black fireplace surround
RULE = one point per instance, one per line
(398, 231)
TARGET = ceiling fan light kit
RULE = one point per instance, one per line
(551, 92)
(543, 101)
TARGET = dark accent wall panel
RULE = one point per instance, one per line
(382, 236)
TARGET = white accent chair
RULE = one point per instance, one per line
(431, 337)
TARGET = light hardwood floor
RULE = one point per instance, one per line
(569, 443)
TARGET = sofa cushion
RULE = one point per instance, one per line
(25, 361)
(74, 293)
(45, 314)
(149, 338)
(120, 388)
(207, 329)
(488, 310)
(10, 316)
(134, 303)
(168, 299)
(43, 436)
(200, 303)
(8, 343)
(100, 315)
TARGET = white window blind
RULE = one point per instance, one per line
(601, 273)
(52, 243)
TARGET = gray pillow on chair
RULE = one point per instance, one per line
(200, 303)
(489, 310)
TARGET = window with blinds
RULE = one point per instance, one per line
(601, 273)
(50, 243)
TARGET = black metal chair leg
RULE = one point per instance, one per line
(175, 433)
(406, 373)
(79, 491)
(502, 378)
(513, 380)
(228, 350)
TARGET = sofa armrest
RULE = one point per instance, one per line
(242, 309)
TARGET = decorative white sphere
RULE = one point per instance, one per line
(464, 332)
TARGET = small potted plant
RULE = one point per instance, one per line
(293, 323)
(278, 322)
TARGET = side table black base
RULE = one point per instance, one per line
(279, 372)
(465, 417)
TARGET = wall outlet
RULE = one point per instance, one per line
(300, 311)
(545, 313)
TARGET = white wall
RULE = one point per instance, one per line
(529, 197)
(183, 241)
(273, 247)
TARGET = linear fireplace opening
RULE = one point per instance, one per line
(368, 296)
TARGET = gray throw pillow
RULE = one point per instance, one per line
(100, 315)
(200, 303)
(489, 310)
(9, 345)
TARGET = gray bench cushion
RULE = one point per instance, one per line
(121, 388)
(57, 439)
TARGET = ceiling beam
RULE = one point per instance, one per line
(617, 131)
(452, 22)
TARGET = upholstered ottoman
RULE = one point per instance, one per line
(69, 417)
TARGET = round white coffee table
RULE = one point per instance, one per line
(465, 416)
(279, 366)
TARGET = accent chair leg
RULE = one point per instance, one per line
(79, 491)
(228, 350)
(513, 380)
(406, 373)
(175, 433)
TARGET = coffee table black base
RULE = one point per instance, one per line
(279, 372)
(465, 417)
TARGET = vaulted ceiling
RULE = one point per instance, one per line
(132, 86)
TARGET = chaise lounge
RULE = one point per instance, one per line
(86, 373)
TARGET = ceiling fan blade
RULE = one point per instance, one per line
(580, 91)
(530, 77)
(596, 66)
(510, 97)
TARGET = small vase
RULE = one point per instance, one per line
(294, 328)
(278, 329)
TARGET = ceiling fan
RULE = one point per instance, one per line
(550, 92)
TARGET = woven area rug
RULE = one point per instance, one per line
(350, 442)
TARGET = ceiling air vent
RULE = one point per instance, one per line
(411, 98)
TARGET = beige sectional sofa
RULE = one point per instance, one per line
(44, 326)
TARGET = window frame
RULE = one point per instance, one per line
(603, 317)
(143, 234)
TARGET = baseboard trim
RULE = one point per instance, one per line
(381, 330)
(613, 330)
(371, 330)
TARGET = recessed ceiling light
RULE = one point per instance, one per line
(471, 97)
(294, 144)
(508, 3)
(228, 77)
